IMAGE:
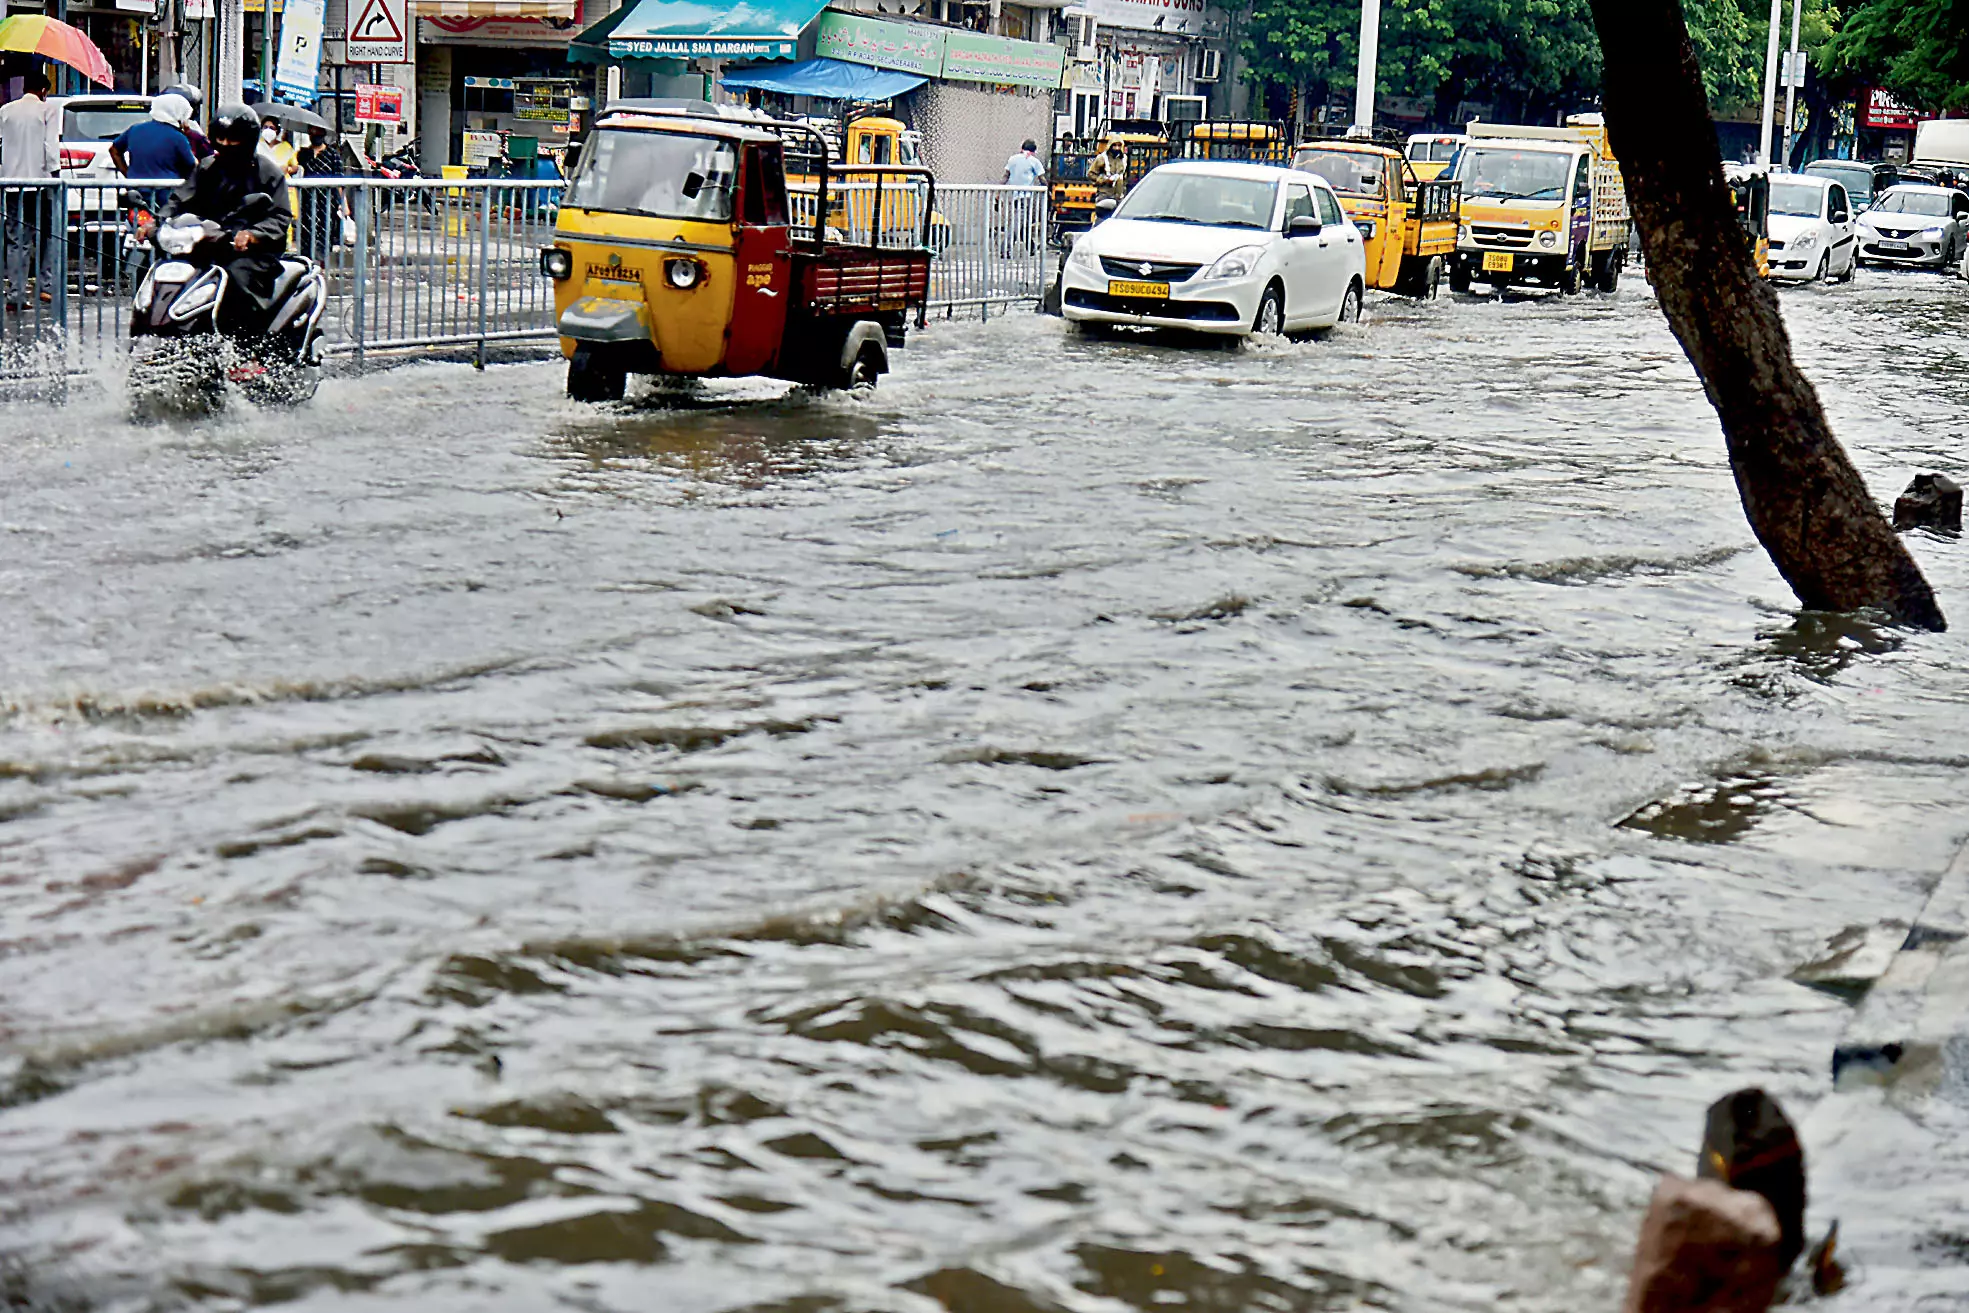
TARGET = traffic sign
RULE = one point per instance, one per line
(377, 35)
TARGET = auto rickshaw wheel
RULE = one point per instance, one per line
(862, 371)
(591, 376)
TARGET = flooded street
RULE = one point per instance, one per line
(1094, 827)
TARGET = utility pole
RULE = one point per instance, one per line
(1795, 78)
(266, 50)
(1370, 69)
(1771, 81)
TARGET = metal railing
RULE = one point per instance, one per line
(433, 265)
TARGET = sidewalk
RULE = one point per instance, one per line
(1892, 1141)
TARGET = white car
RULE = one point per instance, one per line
(1813, 234)
(1916, 225)
(88, 125)
(1229, 249)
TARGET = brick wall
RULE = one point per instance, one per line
(969, 133)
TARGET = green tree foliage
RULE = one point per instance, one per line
(1919, 49)
(1525, 56)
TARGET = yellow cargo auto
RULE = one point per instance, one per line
(1409, 225)
(877, 142)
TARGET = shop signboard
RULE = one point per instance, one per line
(1881, 109)
(543, 100)
(297, 70)
(975, 57)
(905, 47)
(1175, 17)
(378, 104)
(481, 148)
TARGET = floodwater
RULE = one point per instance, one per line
(1095, 827)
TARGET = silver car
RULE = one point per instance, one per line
(1913, 224)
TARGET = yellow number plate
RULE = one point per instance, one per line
(1155, 291)
(1499, 262)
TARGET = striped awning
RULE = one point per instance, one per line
(562, 10)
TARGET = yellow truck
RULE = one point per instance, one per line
(1542, 207)
(1071, 198)
(872, 139)
(1409, 225)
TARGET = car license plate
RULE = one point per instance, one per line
(1499, 262)
(1150, 291)
(1893, 246)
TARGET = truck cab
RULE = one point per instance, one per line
(1408, 225)
(1542, 207)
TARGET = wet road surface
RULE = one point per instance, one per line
(1095, 827)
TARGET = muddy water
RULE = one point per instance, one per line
(1097, 827)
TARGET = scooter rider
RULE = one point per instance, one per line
(249, 244)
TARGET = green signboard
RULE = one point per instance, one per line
(906, 47)
(973, 57)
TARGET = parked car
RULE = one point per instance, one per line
(89, 124)
(1812, 229)
(1863, 179)
(1228, 249)
(1916, 225)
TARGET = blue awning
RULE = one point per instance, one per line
(831, 79)
(696, 29)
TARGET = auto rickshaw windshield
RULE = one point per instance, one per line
(667, 174)
(1350, 174)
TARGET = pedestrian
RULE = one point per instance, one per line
(200, 147)
(322, 208)
(30, 147)
(1109, 171)
(1025, 170)
(157, 147)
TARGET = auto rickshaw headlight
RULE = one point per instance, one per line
(1366, 227)
(556, 262)
(683, 274)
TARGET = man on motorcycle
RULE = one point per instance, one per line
(251, 237)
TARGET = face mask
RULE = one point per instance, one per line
(234, 152)
(269, 135)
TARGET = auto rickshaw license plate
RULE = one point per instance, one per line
(1151, 291)
(1499, 262)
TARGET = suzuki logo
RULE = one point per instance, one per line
(1145, 269)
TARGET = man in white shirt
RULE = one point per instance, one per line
(1024, 169)
(30, 147)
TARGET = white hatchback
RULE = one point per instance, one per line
(1813, 236)
(1230, 249)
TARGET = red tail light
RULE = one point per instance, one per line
(77, 159)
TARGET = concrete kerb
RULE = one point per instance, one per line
(1892, 1140)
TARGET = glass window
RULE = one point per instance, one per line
(1329, 207)
(1202, 198)
(1801, 200)
(1837, 202)
(1299, 203)
(1350, 174)
(1902, 201)
(1582, 182)
(652, 173)
(765, 187)
(1500, 173)
(102, 121)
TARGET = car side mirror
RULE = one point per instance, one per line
(693, 185)
(1303, 225)
(1840, 216)
(1371, 182)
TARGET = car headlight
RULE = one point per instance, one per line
(1548, 240)
(1805, 241)
(557, 262)
(1240, 263)
(683, 274)
(1936, 231)
(1083, 255)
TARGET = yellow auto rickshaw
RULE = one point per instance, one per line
(676, 253)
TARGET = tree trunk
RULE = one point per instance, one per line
(1805, 500)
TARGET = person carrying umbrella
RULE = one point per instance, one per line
(30, 147)
(322, 208)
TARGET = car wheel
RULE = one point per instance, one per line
(1270, 320)
(1350, 305)
(1825, 268)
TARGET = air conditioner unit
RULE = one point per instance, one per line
(1209, 65)
(1083, 30)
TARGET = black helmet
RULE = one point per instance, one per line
(235, 123)
(189, 92)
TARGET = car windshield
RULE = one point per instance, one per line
(102, 122)
(1933, 204)
(1351, 175)
(1857, 181)
(651, 172)
(1799, 199)
(1500, 174)
(1202, 198)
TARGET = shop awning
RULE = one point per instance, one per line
(698, 29)
(558, 10)
(832, 79)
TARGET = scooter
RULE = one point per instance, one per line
(180, 360)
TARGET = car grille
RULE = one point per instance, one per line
(1219, 312)
(1897, 234)
(1490, 234)
(1154, 271)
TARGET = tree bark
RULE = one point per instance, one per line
(1803, 497)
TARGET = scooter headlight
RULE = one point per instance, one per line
(683, 274)
(557, 262)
